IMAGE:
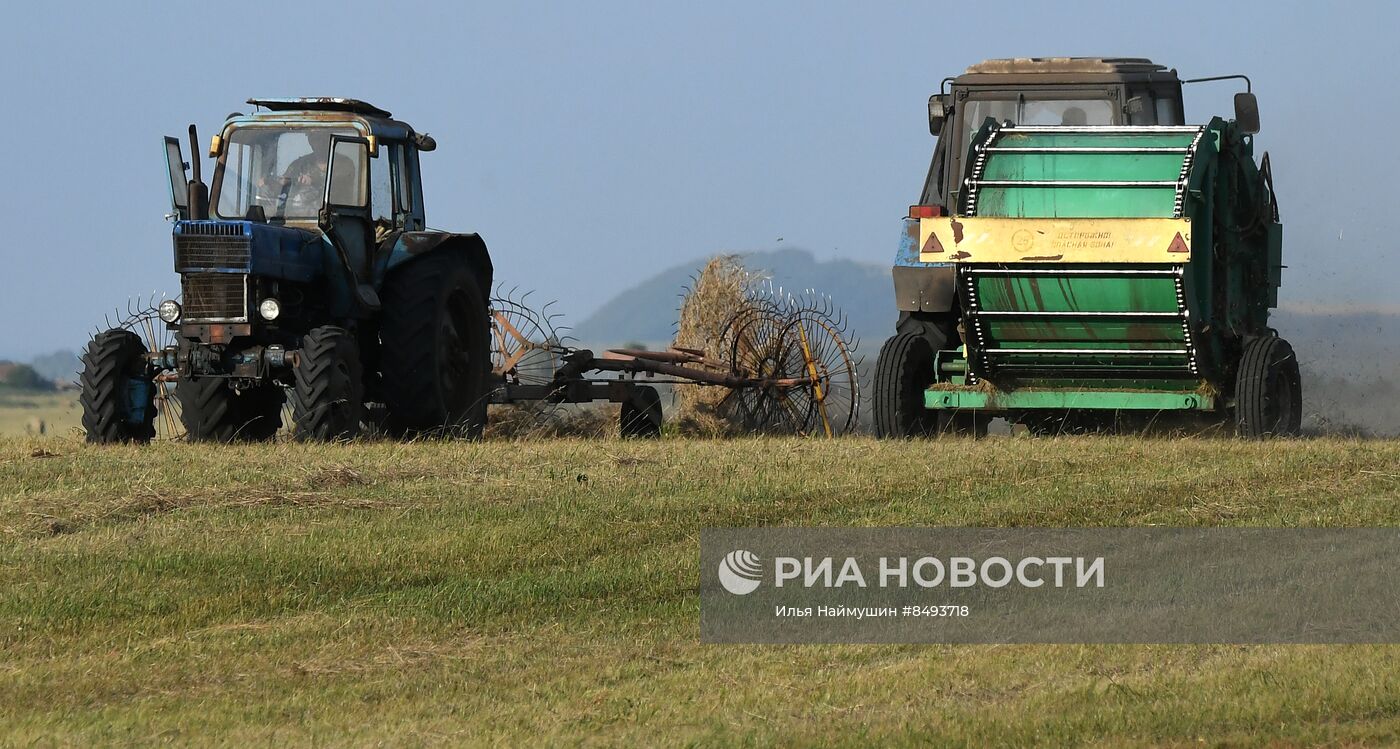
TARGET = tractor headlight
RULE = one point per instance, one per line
(169, 311)
(269, 308)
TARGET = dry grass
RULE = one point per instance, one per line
(59, 411)
(535, 421)
(510, 593)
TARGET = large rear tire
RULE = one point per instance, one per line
(1268, 390)
(436, 351)
(328, 399)
(902, 374)
(114, 366)
(214, 412)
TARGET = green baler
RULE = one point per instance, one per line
(1104, 276)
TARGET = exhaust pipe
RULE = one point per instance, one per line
(199, 193)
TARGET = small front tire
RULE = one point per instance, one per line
(328, 399)
(214, 412)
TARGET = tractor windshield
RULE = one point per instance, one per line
(1025, 110)
(283, 171)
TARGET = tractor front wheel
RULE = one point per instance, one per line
(214, 412)
(118, 396)
(328, 399)
(902, 374)
(1268, 390)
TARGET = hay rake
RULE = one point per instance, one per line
(785, 359)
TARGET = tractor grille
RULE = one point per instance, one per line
(201, 251)
(214, 297)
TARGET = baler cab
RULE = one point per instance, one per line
(1103, 276)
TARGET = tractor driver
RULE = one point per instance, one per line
(305, 179)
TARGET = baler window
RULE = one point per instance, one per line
(1031, 111)
(1167, 111)
(1067, 112)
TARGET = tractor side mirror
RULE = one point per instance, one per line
(1246, 113)
(937, 113)
(179, 185)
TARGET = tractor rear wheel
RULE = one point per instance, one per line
(328, 399)
(641, 413)
(436, 348)
(1268, 390)
(902, 374)
(114, 368)
(214, 412)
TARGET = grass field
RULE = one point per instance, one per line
(59, 412)
(546, 592)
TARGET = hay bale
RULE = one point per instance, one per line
(723, 288)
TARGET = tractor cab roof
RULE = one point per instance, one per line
(1051, 70)
(320, 104)
(323, 109)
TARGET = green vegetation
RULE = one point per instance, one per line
(20, 409)
(546, 592)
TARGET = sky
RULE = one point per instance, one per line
(594, 144)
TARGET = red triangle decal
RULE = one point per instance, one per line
(1179, 245)
(932, 244)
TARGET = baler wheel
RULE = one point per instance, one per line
(641, 413)
(436, 355)
(902, 374)
(211, 411)
(1268, 390)
(112, 361)
(941, 330)
(328, 400)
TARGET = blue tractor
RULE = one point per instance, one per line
(307, 274)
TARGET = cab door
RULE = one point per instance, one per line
(347, 209)
(179, 185)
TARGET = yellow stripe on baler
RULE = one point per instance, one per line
(1043, 240)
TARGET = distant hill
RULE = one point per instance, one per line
(648, 311)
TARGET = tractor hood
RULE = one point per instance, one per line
(248, 247)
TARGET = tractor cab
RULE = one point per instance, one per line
(310, 199)
(302, 161)
(1074, 91)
